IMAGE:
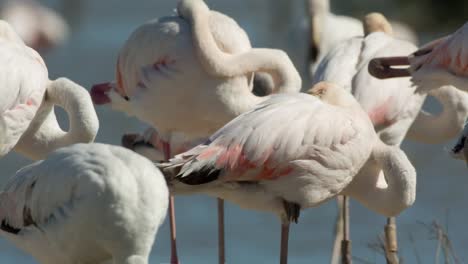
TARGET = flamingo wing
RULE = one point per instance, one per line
(32, 199)
(273, 140)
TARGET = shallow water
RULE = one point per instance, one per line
(88, 57)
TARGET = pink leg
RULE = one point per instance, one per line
(284, 243)
(221, 247)
(174, 257)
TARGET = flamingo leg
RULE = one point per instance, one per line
(346, 257)
(292, 211)
(284, 243)
(174, 256)
(221, 245)
(391, 245)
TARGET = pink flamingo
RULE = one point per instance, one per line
(191, 74)
(288, 154)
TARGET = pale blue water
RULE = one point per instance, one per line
(89, 57)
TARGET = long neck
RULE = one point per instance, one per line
(45, 135)
(438, 128)
(222, 64)
(399, 174)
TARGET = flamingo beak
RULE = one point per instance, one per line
(99, 93)
(381, 68)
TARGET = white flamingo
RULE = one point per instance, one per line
(185, 74)
(395, 112)
(27, 120)
(441, 62)
(289, 154)
(329, 30)
(394, 107)
(391, 109)
(86, 203)
(40, 27)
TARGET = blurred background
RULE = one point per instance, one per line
(97, 30)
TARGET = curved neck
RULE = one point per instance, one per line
(400, 176)
(438, 128)
(221, 64)
(45, 135)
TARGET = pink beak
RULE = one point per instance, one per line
(99, 93)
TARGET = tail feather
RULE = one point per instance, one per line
(187, 169)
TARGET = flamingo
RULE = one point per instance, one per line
(329, 30)
(185, 74)
(392, 110)
(40, 27)
(85, 203)
(441, 62)
(288, 154)
(396, 114)
(27, 120)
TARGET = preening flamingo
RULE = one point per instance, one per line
(395, 112)
(391, 109)
(27, 120)
(40, 27)
(441, 62)
(86, 203)
(289, 154)
(191, 74)
(329, 30)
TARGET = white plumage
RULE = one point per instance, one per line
(86, 203)
(329, 30)
(291, 149)
(27, 119)
(23, 82)
(391, 105)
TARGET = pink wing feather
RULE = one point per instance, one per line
(272, 140)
